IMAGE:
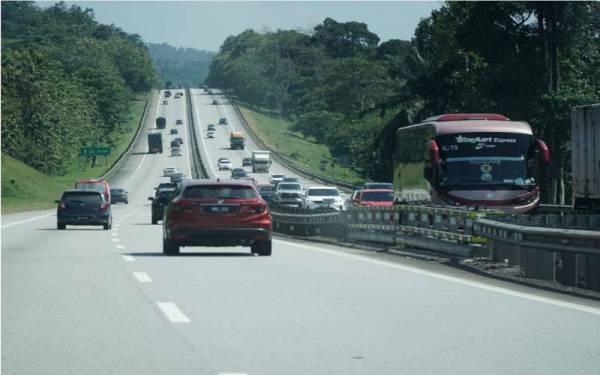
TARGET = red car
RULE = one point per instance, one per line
(374, 197)
(217, 213)
(97, 184)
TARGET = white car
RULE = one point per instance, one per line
(210, 134)
(178, 177)
(276, 178)
(176, 152)
(323, 197)
(168, 171)
(225, 164)
(289, 194)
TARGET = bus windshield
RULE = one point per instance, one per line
(484, 159)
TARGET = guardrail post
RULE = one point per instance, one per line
(539, 264)
(568, 272)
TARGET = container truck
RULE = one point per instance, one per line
(161, 122)
(585, 157)
(155, 143)
(236, 139)
(261, 161)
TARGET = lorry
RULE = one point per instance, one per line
(236, 139)
(585, 157)
(155, 143)
(161, 122)
(261, 161)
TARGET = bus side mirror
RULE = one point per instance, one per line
(545, 151)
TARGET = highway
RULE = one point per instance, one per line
(89, 301)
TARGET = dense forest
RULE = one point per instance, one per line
(185, 66)
(67, 82)
(531, 61)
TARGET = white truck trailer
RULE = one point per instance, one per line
(585, 157)
(261, 161)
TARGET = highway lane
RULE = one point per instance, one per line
(94, 301)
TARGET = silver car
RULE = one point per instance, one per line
(289, 194)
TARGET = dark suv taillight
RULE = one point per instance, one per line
(104, 206)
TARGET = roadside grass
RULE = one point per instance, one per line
(25, 188)
(276, 133)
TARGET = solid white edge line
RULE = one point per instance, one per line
(471, 283)
(172, 312)
(25, 221)
(128, 258)
(142, 277)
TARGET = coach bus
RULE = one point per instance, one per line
(472, 160)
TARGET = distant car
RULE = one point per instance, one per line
(374, 197)
(225, 165)
(224, 213)
(97, 184)
(179, 140)
(210, 134)
(165, 102)
(119, 195)
(173, 131)
(176, 152)
(83, 207)
(238, 173)
(167, 93)
(247, 162)
(178, 95)
(223, 121)
(159, 201)
(215, 102)
(168, 171)
(166, 185)
(178, 177)
(289, 193)
(267, 192)
(174, 143)
(276, 178)
(178, 122)
(377, 185)
(323, 197)
(211, 127)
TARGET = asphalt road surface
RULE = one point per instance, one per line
(89, 301)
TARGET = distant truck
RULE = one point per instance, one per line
(585, 157)
(236, 139)
(261, 161)
(155, 143)
(161, 122)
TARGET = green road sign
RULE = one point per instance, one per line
(91, 151)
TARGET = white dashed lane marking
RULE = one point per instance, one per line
(116, 240)
(121, 247)
(128, 258)
(172, 312)
(142, 277)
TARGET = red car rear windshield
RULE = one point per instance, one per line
(219, 192)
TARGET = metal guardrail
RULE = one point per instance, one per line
(284, 160)
(117, 163)
(199, 169)
(568, 256)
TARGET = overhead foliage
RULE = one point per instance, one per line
(67, 82)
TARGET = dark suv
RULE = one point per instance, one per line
(159, 202)
(217, 213)
(83, 207)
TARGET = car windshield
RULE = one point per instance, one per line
(289, 187)
(478, 160)
(323, 193)
(278, 176)
(219, 192)
(70, 198)
(378, 196)
(90, 186)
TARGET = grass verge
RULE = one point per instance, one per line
(25, 188)
(276, 133)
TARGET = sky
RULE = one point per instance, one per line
(205, 25)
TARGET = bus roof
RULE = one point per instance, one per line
(472, 123)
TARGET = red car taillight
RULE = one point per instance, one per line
(253, 208)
